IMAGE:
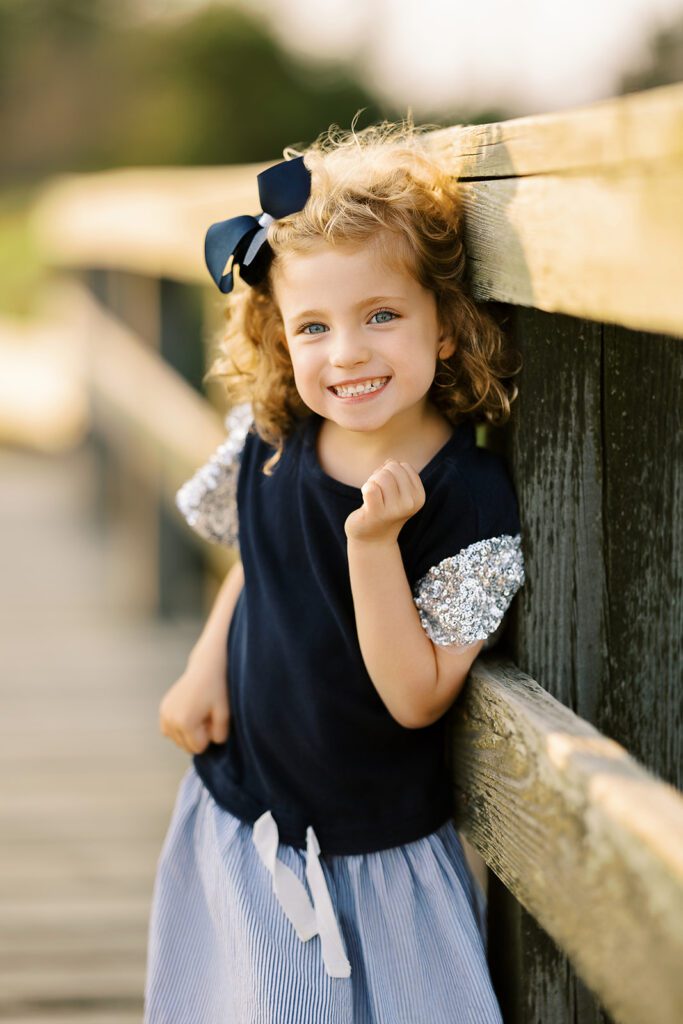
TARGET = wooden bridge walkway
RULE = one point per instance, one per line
(87, 782)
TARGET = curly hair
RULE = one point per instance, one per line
(382, 177)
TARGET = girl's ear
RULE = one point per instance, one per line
(447, 346)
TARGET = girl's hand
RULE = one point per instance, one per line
(195, 709)
(391, 495)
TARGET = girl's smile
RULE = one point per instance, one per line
(360, 391)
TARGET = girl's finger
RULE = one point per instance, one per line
(402, 483)
(413, 476)
(197, 740)
(173, 734)
(389, 482)
(405, 482)
(372, 494)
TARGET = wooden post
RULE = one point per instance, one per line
(181, 572)
(595, 444)
(130, 531)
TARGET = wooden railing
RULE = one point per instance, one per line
(567, 773)
(581, 834)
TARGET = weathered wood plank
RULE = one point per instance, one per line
(584, 837)
(605, 246)
(580, 212)
(641, 704)
(159, 425)
(553, 445)
(594, 446)
(175, 205)
(116, 1014)
(99, 982)
(622, 131)
(87, 782)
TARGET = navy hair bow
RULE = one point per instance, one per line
(283, 189)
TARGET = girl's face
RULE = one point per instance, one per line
(349, 316)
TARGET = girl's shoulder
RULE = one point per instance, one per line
(468, 559)
(480, 478)
(207, 501)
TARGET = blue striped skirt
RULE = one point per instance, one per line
(397, 936)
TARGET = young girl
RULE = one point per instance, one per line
(312, 872)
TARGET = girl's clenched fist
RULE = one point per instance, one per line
(391, 495)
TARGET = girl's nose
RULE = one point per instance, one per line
(349, 349)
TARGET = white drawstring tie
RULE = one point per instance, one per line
(308, 918)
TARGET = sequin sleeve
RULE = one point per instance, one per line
(464, 598)
(208, 500)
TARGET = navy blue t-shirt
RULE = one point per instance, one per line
(310, 738)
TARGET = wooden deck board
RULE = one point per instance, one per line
(87, 782)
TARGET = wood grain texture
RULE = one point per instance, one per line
(642, 701)
(622, 131)
(154, 422)
(96, 220)
(87, 781)
(555, 454)
(578, 212)
(585, 838)
(594, 448)
(604, 245)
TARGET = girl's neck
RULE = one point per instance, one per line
(352, 455)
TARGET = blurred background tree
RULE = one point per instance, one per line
(85, 86)
(663, 63)
(83, 89)
(95, 84)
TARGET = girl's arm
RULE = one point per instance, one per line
(196, 709)
(211, 644)
(417, 680)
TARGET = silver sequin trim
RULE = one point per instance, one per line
(208, 500)
(463, 598)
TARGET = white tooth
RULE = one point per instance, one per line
(360, 389)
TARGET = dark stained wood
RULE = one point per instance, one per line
(594, 445)
(555, 450)
(181, 567)
(642, 702)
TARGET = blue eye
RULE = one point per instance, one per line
(380, 312)
(384, 312)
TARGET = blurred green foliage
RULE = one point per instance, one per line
(92, 84)
(83, 88)
(21, 269)
(662, 63)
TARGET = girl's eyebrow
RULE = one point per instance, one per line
(357, 305)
